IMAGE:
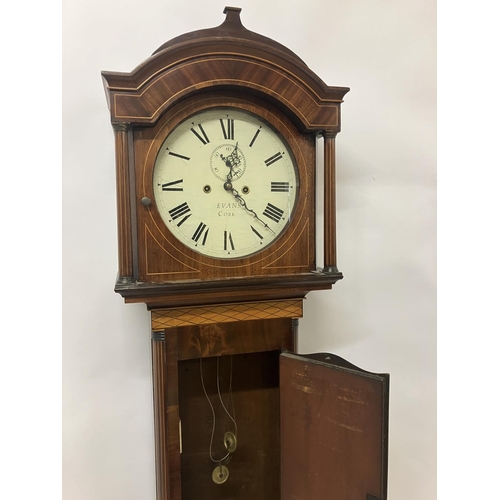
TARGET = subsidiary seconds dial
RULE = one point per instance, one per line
(225, 183)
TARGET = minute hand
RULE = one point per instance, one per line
(243, 203)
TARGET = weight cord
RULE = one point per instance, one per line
(227, 457)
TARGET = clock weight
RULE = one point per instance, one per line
(220, 474)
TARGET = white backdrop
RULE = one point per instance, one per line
(381, 316)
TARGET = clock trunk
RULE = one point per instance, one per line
(302, 424)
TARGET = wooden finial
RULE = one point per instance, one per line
(236, 10)
(232, 15)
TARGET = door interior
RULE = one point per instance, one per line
(334, 429)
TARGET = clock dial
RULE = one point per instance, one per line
(225, 183)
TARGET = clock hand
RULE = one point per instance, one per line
(229, 187)
(230, 162)
(234, 157)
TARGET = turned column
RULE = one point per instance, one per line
(123, 200)
(166, 414)
(330, 236)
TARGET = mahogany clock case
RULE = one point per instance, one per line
(309, 427)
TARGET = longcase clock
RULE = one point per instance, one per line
(216, 145)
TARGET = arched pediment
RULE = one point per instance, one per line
(226, 57)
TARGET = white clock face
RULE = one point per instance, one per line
(225, 183)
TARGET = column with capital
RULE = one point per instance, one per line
(123, 201)
(330, 236)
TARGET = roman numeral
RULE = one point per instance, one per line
(254, 137)
(203, 137)
(172, 186)
(257, 233)
(280, 187)
(228, 240)
(179, 211)
(273, 213)
(229, 133)
(199, 232)
(273, 159)
(182, 157)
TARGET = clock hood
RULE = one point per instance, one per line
(227, 57)
(220, 67)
